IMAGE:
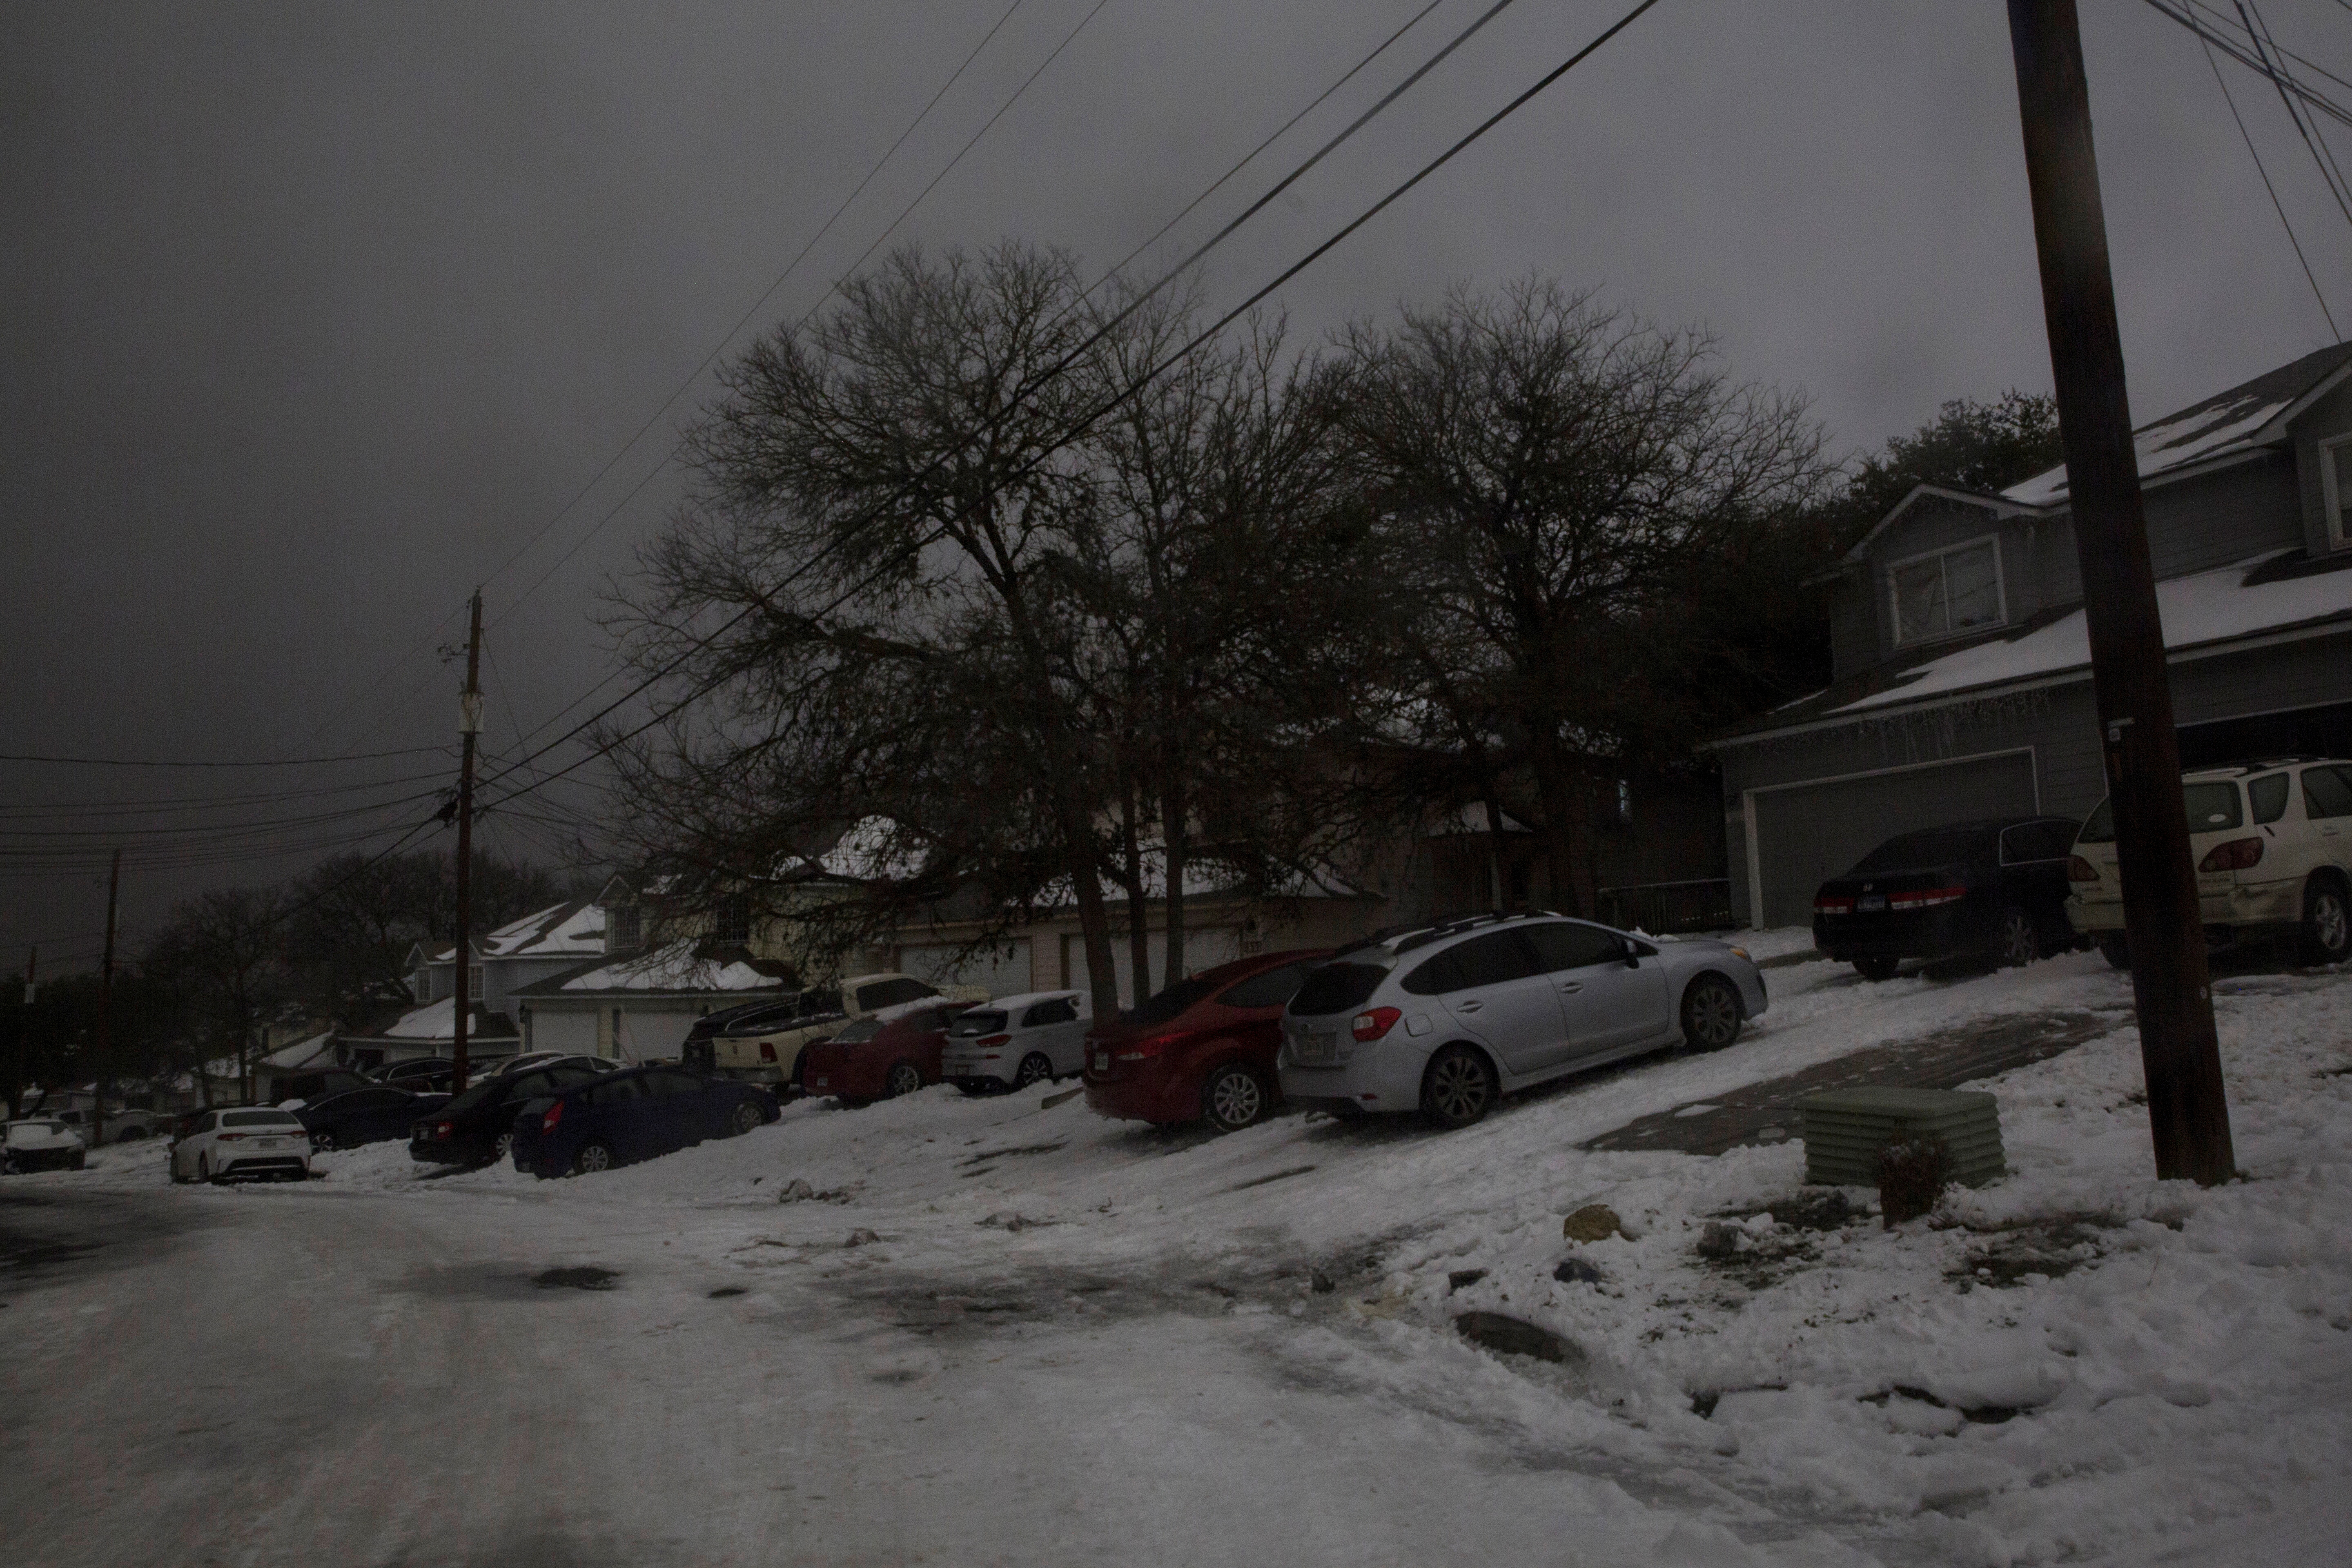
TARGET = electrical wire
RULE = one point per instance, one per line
(2230, 45)
(275, 762)
(2278, 206)
(2329, 174)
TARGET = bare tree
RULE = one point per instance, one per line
(221, 953)
(1577, 490)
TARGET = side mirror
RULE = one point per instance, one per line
(1632, 956)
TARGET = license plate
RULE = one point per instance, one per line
(269, 1143)
(1318, 1047)
(1102, 1061)
(821, 1082)
(1870, 901)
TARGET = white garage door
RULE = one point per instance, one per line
(652, 1032)
(1004, 971)
(568, 1030)
(1202, 950)
(1806, 834)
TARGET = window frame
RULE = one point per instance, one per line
(478, 982)
(2331, 493)
(1999, 592)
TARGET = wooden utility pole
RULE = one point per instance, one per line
(24, 1033)
(469, 725)
(2186, 1109)
(105, 1052)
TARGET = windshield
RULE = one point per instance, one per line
(1173, 1003)
(2212, 808)
(864, 1029)
(1936, 847)
(1337, 988)
(32, 1132)
(980, 1021)
(259, 1119)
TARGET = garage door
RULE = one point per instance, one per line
(1004, 971)
(1806, 834)
(568, 1030)
(1204, 949)
(652, 1033)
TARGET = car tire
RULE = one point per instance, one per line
(1234, 1097)
(502, 1147)
(2020, 944)
(2114, 949)
(745, 1118)
(904, 1078)
(1036, 1068)
(2326, 922)
(1711, 1014)
(973, 1087)
(1877, 969)
(1458, 1088)
(591, 1158)
(204, 1170)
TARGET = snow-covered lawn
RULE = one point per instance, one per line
(2076, 1362)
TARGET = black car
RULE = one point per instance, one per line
(1992, 890)
(421, 1075)
(369, 1115)
(634, 1115)
(475, 1126)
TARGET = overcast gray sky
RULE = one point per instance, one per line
(313, 315)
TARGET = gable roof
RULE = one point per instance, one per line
(681, 967)
(2247, 417)
(1993, 504)
(574, 929)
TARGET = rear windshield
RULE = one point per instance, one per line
(1936, 847)
(1337, 988)
(863, 1029)
(260, 1119)
(2212, 808)
(25, 1132)
(980, 1021)
(1173, 1003)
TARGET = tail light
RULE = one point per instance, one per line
(547, 1122)
(1926, 898)
(767, 1050)
(2238, 855)
(2081, 870)
(1833, 906)
(993, 1040)
(1372, 1023)
(445, 1129)
(230, 1138)
(1145, 1049)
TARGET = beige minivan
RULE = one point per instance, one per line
(2273, 844)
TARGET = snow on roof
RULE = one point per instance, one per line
(2208, 606)
(572, 929)
(2229, 421)
(434, 1021)
(671, 968)
(1472, 819)
(302, 1053)
(868, 853)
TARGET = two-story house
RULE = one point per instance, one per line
(498, 965)
(1961, 665)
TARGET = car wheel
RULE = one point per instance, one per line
(2114, 949)
(503, 1147)
(746, 1116)
(592, 1158)
(904, 1078)
(1710, 1013)
(204, 1169)
(1233, 1098)
(1036, 1068)
(973, 1087)
(1457, 1087)
(2326, 923)
(2020, 944)
(1877, 968)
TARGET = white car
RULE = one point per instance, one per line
(1014, 1041)
(244, 1142)
(40, 1144)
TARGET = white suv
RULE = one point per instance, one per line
(2273, 844)
(1014, 1041)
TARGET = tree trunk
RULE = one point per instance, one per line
(1175, 843)
(1555, 788)
(1138, 903)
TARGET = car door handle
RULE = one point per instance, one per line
(1572, 985)
(1470, 1006)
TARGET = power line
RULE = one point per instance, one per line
(2329, 174)
(2277, 205)
(2237, 51)
(274, 763)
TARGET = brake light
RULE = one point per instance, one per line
(231, 1137)
(2238, 855)
(2081, 870)
(1372, 1023)
(993, 1040)
(767, 1050)
(444, 1128)
(554, 1114)
(1926, 898)
(1838, 906)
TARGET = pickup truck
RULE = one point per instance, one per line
(761, 1042)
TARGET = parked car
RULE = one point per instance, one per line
(634, 1114)
(421, 1074)
(895, 1052)
(234, 1145)
(761, 1042)
(39, 1144)
(477, 1126)
(1448, 1018)
(1995, 888)
(125, 1126)
(1016, 1041)
(316, 1085)
(2273, 846)
(1203, 1050)
(368, 1115)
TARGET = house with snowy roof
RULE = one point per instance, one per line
(1961, 667)
(498, 964)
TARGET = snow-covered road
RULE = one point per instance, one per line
(1008, 1331)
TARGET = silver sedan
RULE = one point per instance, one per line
(1448, 1018)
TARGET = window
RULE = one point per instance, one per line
(628, 928)
(2335, 489)
(733, 920)
(1174, 1001)
(1338, 988)
(1061, 1010)
(1947, 593)
(421, 983)
(2268, 795)
(260, 1119)
(2326, 792)
(1488, 960)
(472, 982)
(1271, 989)
(1561, 945)
(982, 1021)
(665, 1084)
(616, 1091)
(2031, 841)
(890, 993)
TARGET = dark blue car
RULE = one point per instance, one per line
(634, 1114)
(368, 1115)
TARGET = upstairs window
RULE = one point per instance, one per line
(731, 921)
(628, 926)
(2335, 489)
(472, 982)
(1947, 593)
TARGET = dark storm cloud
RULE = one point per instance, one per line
(314, 313)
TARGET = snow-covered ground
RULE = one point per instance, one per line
(1257, 1334)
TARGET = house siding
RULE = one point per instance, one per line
(2216, 519)
(2328, 417)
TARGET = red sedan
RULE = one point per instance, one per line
(1202, 1049)
(893, 1053)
